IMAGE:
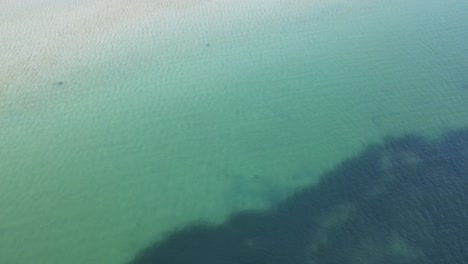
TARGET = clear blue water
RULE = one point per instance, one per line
(192, 114)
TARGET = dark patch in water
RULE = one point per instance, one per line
(402, 202)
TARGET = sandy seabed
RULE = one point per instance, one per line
(46, 43)
(43, 37)
(84, 161)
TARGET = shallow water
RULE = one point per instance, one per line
(195, 114)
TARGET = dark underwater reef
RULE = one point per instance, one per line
(402, 202)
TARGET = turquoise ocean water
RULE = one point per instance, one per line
(228, 111)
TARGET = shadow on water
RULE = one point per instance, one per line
(405, 201)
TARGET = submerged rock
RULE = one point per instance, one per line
(405, 201)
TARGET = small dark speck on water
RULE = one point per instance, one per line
(207, 44)
(59, 83)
